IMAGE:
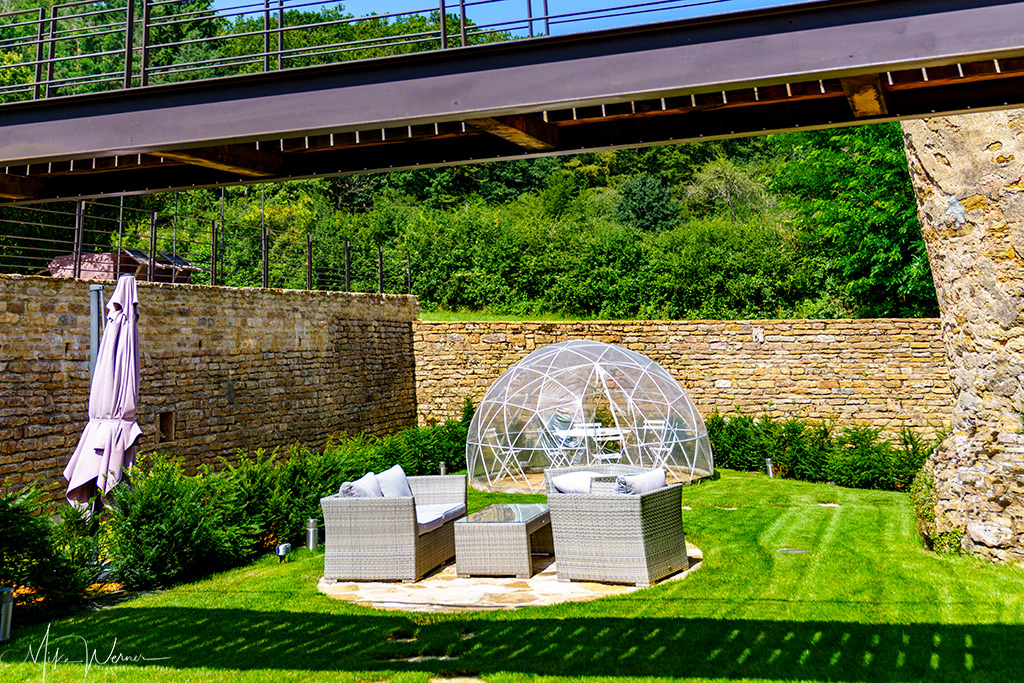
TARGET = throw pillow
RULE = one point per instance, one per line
(574, 482)
(393, 483)
(364, 487)
(650, 480)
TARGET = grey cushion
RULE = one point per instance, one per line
(393, 483)
(364, 487)
(430, 517)
(574, 482)
(650, 480)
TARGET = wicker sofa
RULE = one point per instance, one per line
(614, 537)
(379, 539)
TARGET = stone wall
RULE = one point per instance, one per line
(968, 175)
(236, 368)
(885, 373)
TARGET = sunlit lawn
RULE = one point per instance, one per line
(866, 602)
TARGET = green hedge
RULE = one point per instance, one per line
(854, 456)
(48, 564)
(165, 527)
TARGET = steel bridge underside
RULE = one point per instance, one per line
(817, 65)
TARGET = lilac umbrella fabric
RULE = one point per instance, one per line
(107, 446)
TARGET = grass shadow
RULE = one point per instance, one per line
(189, 638)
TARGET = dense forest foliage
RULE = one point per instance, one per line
(807, 224)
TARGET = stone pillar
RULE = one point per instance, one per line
(968, 176)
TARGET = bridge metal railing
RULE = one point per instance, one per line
(84, 46)
(101, 240)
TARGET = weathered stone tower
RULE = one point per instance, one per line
(968, 175)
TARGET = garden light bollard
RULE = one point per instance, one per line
(312, 533)
(6, 606)
(768, 464)
(443, 468)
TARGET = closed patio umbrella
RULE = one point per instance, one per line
(107, 446)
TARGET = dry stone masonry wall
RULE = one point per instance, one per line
(968, 174)
(885, 373)
(228, 369)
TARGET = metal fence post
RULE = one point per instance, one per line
(213, 253)
(144, 66)
(462, 21)
(129, 42)
(152, 246)
(348, 267)
(120, 239)
(265, 238)
(529, 15)
(443, 27)
(52, 54)
(547, 24)
(380, 268)
(266, 38)
(280, 34)
(40, 37)
(79, 237)
(309, 262)
(408, 273)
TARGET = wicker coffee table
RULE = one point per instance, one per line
(500, 540)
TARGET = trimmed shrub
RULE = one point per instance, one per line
(165, 527)
(855, 456)
(50, 566)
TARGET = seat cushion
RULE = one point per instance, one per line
(364, 487)
(574, 482)
(644, 482)
(393, 483)
(430, 517)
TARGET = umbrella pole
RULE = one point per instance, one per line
(95, 324)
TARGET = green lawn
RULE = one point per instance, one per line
(866, 603)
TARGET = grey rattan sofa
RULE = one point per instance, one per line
(378, 539)
(614, 537)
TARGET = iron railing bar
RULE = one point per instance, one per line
(16, 12)
(90, 27)
(77, 3)
(637, 8)
(166, 69)
(363, 45)
(86, 78)
(75, 58)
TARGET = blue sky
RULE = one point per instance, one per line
(494, 11)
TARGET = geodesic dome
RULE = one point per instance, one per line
(584, 402)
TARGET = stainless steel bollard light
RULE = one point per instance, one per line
(768, 464)
(6, 606)
(443, 468)
(312, 533)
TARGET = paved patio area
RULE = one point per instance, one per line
(443, 591)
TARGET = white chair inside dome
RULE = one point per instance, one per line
(584, 402)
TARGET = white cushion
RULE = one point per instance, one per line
(574, 482)
(430, 517)
(364, 487)
(393, 483)
(650, 480)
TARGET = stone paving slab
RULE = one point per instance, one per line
(443, 591)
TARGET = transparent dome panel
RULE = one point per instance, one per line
(584, 402)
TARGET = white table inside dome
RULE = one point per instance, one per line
(500, 540)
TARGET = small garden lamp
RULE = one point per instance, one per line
(283, 550)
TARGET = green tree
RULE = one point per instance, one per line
(646, 203)
(850, 190)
